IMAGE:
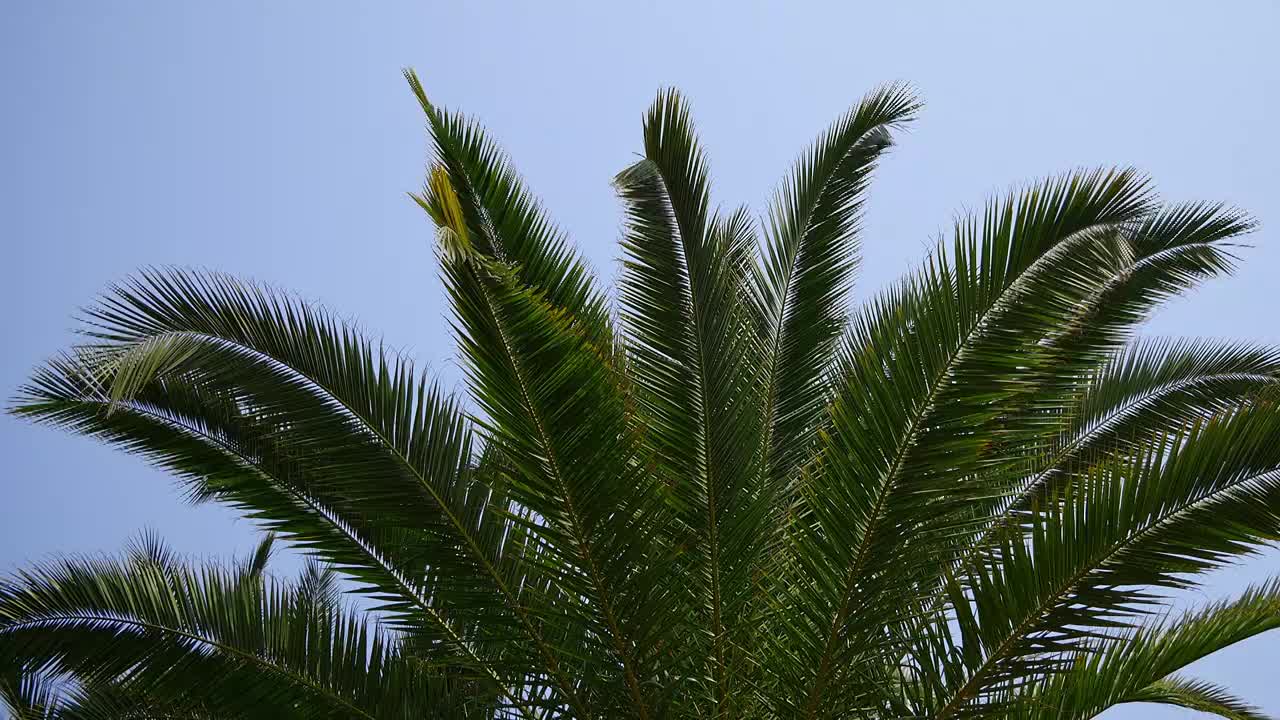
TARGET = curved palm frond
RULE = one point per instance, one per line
(147, 633)
(538, 353)
(925, 364)
(1200, 696)
(692, 352)
(320, 435)
(810, 254)
(1196, 499)
(1149, 388)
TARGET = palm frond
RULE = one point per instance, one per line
(1201, 696)
(489, 205)
(1192, 501)
(692, 353)
(1141, 666)
(810, 256)
(965, 498)
(320, 435)
(24, 693)
(556, 410)
(217, 636)
(538, 353)
(926, 363)
(1150, 388)
(1088, 394)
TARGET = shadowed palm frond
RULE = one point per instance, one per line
(139, 634)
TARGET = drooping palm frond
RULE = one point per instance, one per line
(1198, 695)
(317, 433)
(961, 498)
(150, 635)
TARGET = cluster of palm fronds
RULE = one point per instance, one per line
(733, 498)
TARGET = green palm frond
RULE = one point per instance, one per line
(110, 701)
(1200, 696)
(1194, 500)
(810, 256)
(317, 433)
(925, 364)
(24, 693)
(134, 631)
(1148, 388)
(500, 219)
(1142, 666)
(543, 373)
(728, 494)
(692, 352)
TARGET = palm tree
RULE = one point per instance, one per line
(721, 496)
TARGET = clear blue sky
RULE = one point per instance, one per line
(276, 140)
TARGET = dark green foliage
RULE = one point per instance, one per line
(729, 496)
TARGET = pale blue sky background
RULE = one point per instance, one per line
(276, 140)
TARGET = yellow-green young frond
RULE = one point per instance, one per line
(497, 217)
(442, 204)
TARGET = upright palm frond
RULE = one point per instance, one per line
(539, 357)
(1142, 666)
(730, 496)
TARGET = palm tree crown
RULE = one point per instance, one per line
(721, 496)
